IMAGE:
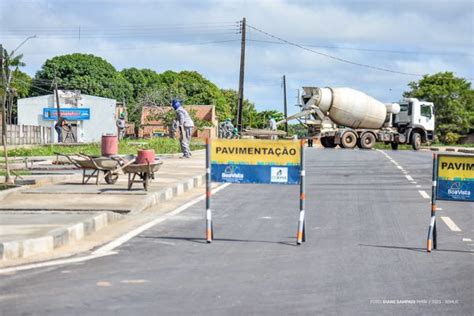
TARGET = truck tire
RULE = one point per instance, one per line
(415, 141)
(394, 146)
(331, 142)
(367, 141)
(328, 142)
(349, 140)
(322, 140)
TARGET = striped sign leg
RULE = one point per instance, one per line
(301, 235)
(432, 235)
(209, 227)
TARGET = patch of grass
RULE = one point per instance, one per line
(389, 147)
(160, 145)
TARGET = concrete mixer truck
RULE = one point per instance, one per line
(350, 118)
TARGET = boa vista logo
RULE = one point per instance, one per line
(457, 188)
(232, 173)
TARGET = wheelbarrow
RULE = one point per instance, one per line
(144, 172)
(110, 166)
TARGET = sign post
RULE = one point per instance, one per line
(209, 230)
(453, 180)
(301, 234)
(255, 161)
(432, 235)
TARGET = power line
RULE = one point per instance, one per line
(148, 46)
(334, 57)
(371, 49)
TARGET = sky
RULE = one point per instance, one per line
(376, 46)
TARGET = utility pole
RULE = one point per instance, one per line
(285, 104)
(58, 109)
(56, 95)
(4, 78)
(241, 77)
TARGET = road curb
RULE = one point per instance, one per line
(169, 193)
(76, 232)
(451, 149)
(62, 236)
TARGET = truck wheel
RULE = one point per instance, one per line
(323, 141)
(328, 142)
(349, 140)
(415, 141)
(367, 141)
(394, 146)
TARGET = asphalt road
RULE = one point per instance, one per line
(365, 253)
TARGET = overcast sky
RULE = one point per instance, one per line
(414, 37)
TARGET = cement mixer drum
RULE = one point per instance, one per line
(351, 108)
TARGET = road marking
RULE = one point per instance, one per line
(449, 222)
(101, 251)
(124, 238)
(418, 186)
(439, 208)
(467, 239)
(424, 194)
(399, 167)
(409, 178)
(266, 217)
(134, 281)
(53, 263)
(103, 284)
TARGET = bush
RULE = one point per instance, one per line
(451, 138)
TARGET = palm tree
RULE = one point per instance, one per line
(8, 62)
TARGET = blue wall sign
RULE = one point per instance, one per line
(70, 114)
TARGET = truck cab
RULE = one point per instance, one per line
(416, 120)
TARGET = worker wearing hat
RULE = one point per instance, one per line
(121, 125)
(185, 126)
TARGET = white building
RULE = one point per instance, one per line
(90, 117)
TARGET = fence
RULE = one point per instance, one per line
(27, 135)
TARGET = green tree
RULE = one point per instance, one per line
(88, 73)
(18, 84)
(264, 116)
(193, 88)
(454, 103)
(142, 80)
(21, 84)
(249, 113)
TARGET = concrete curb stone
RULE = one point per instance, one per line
(56, 238)
(63, 236)
(451, 149)
(169, 193)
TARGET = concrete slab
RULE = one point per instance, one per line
(60, 209)
(26, 226)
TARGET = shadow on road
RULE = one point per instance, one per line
(417, 249)
(203, 240)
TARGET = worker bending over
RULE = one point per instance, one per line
(185, 126)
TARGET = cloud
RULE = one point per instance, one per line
(202, 36)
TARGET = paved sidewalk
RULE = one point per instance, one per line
(61, 210)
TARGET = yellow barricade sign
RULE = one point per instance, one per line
(256, 161)
(455, 178)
